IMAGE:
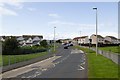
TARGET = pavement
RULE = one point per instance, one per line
(67, 63)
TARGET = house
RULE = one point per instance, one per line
(36, 39)
(20, 39)
(75, 40)
(66, 40)
(2, 38)
(83, 40)
(99, 37)
(118, 41)
(31, 40)
(25, 40)
(110, 40)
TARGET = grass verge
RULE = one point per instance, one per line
(12, 59)
(114, 49)
(99, 66)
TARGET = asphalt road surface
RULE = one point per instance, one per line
(67, 63)
(71, 64)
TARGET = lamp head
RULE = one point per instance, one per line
(94, 8)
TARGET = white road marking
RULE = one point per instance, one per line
(82, 63)
(61, 60)
(76, 51)
(84, 59)
(44, 69)
(80, 67)
(25, 69)
(23, 77)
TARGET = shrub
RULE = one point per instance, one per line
(44, 43)
(10, 46)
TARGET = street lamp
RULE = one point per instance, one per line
(80, 38)
(96, 32)
(54, 38)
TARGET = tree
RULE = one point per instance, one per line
(44, 43)
(10, 46)
(58, 41)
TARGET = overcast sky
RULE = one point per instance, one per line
(39, 18)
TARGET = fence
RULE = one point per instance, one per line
(115, 57)
(12, 59)
(15, 61)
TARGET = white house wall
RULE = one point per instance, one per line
(36, 39)
(83, 40)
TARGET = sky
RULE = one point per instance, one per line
(71, 19)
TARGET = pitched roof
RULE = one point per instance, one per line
(5, 37)
(40, 36)
(99, 36)
(79, 37)
(31, 36)
(112, 37)
(107, 41)
(76, 38)
(83, 36)
(26, 36)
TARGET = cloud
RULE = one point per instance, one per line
(15, 3)
(115, 34)
(1, 4)
(31, 9)
(53, 22)
(50, 36)
(71, 24)
(5, 11)
(54, 15)
(4, 4)
(84, 26)
(86, 29)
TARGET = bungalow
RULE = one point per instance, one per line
(100, 39)
(111, 40)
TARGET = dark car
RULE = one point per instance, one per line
(71, 44)
(66, 46)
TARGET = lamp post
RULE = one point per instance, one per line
(96, 32)
(80, 38)
(54, 38)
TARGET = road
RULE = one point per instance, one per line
(67, 63)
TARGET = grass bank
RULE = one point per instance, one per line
(114, 49)
(99, 66)
(12, 59)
